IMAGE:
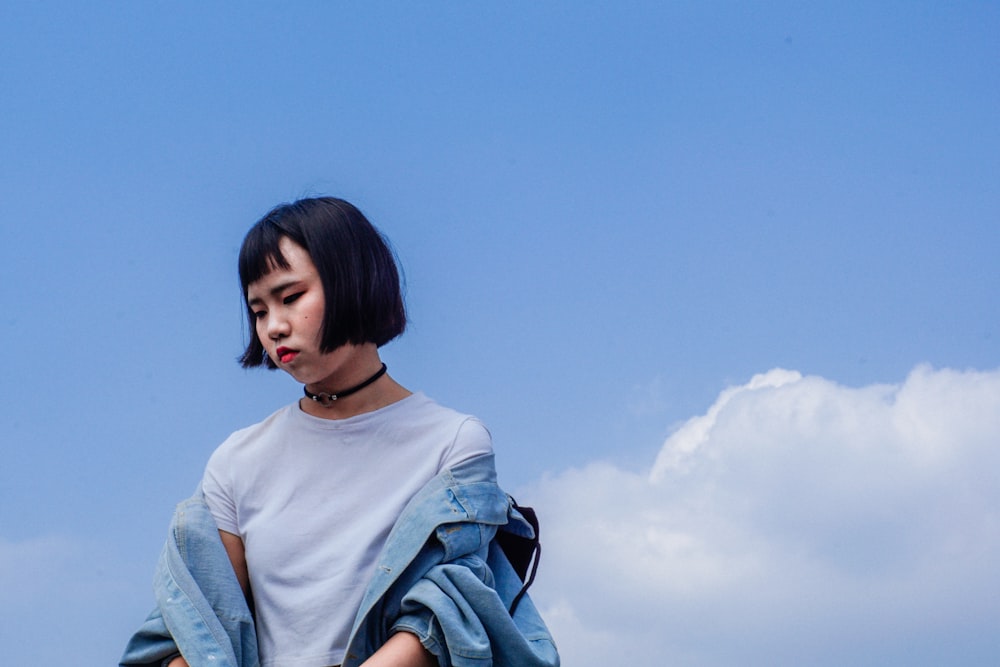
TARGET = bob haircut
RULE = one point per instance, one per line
(360, 280)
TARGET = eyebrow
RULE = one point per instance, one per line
(274, 291)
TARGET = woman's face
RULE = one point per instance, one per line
(288, 307)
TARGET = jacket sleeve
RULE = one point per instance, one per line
(151, 645)
(201, 611)
(458, 609)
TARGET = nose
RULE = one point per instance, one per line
(277, 325)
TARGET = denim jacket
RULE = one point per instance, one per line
(440, 576)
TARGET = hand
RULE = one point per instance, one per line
(178, 662)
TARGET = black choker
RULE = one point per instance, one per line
(327, 399)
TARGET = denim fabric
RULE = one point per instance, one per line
(443, 578)
(201, 611)
(440, 576)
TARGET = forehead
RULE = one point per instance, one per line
(290, 264)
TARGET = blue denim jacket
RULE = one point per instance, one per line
(440, 576)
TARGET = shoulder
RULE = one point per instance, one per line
(433, 427)
(464, 436)
(465, 426)
(428, 411)
(473, 434)
(246, 438)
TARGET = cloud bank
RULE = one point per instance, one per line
(796, 522)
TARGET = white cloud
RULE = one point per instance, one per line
(796, 522)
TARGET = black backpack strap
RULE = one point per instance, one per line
(522, 552)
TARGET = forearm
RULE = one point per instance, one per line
(402, 650)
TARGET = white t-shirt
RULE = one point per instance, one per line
(314, 499)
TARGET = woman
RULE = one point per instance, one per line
(305, 501)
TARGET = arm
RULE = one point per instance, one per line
(237, 556)
(402, 650)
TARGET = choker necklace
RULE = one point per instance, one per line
(327, 400)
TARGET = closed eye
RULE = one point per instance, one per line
(291, 298)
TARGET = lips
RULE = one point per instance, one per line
(285, 354)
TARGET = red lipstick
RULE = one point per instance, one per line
(285, 354)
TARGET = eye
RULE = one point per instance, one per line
(292, 298)
(259, 314)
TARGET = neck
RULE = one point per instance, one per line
(375, 391)
(327, 399)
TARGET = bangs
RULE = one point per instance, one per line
(261, 253)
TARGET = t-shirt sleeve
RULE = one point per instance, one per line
(471, 440)
(217, 487)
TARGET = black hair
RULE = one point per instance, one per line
(364, 303)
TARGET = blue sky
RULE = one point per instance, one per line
(609, 216)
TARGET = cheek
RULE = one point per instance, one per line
(258, 328)
(314, 314)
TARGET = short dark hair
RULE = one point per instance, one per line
(364, 302)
